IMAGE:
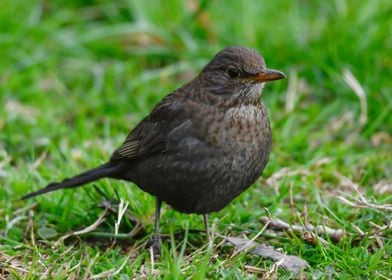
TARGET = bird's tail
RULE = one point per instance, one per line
(104, 170)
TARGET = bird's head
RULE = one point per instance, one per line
(238, 73)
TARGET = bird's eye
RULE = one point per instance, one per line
(233, 73)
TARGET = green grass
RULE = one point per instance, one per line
(76, 76)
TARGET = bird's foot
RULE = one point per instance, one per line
(155, 245)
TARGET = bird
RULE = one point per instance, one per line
(202, 145)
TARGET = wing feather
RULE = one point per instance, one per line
(151, 135)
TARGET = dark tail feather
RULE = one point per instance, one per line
(101, 171)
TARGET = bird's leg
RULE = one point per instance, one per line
(156, 240)
(205, 218)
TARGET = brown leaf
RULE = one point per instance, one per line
(290, 263)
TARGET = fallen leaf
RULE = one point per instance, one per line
(290, 263)
(46, 232)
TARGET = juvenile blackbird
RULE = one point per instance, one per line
(202, 145)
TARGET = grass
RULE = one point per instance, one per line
(76, 76)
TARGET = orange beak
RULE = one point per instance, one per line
(268, 75)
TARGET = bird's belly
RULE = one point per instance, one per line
(201, 182)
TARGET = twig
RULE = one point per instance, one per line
(254, 269)
(375, 232)
(85, 230)
(308, 231)
(380, 229)
(365, 204)
(361, 201)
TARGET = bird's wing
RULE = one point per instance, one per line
(151, 135)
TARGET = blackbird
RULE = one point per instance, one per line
(202, 145)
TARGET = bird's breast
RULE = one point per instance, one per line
(245, 126)
(243, 136)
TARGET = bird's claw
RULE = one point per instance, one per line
(155, 245)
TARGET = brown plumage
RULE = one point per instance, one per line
(203, 144)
